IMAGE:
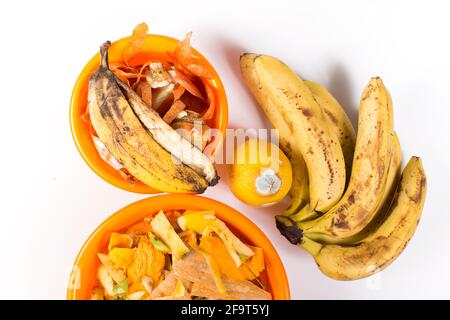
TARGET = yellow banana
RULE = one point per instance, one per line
(300, 187)
(393, 178)
(337, 121)
(307, 214)
(128, 141)
(383, 246)
(389, 191)
(368, 180)
(304, 118)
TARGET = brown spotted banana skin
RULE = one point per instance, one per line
(122, 133)
(319, 146)
(180, 148)
(389, 192)
(337, 121)
(382, 247)
(300, 187)
(369, 175)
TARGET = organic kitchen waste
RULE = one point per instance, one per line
(179, 255)
(144, 118)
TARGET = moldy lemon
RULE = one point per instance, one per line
(261, 173)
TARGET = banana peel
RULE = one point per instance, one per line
(128, 140)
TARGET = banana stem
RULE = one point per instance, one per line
(311, 246)
(104, 55)
(289, 229)
(295, 206)
(305, 214)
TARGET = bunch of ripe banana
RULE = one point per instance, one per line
(150, 149)
(350, 207)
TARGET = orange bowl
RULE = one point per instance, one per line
(155, 47)
(83, 276)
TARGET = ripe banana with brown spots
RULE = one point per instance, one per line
(304, 120)
(368, 179)
(337, 120)
(380, 248)
(395, 170)
(127, 140)
(300, 187)
(393, 178)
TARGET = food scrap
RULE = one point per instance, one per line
(155, 95)
(174, 255)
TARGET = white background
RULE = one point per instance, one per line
(51, 201)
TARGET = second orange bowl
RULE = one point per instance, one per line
(83, 277)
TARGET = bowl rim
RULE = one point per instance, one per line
(230, 216)
(76, 132)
